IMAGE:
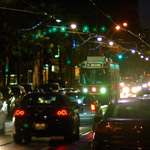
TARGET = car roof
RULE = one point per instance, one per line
(130, 100)
(46, 93)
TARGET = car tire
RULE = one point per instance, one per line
(68, 137)
(27, 138)
(17, 138)
(77, 135)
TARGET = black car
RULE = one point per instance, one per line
(45, 115)
(49, 87)
(126, 125)
(88, 107)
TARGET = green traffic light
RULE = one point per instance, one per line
(94, 29)
(85, 29)
(120, 56)
(103, 28)
(54, 29)
(63, 29)
(68, 61)
(66, 34)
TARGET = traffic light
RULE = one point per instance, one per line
(68, 61)
(103, 28)
(120, 56)
(63, 29)
(85, 28)
(54, 29)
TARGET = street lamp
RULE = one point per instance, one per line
(73, 26)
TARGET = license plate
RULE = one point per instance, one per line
(40, 126)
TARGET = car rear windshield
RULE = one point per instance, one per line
(129, 110)
(79, 98)
(53, 100)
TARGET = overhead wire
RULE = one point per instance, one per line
(129, 31)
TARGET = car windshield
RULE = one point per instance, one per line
(129, 110)
(80, 98)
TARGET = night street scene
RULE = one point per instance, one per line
(74, 75)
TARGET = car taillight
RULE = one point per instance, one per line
(62, 112)
(93, 108)
(103, 127)
(19, 112)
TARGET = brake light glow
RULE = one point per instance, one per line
(19, 112)
(62, 112)
(93, 108)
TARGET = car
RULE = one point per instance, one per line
(50, 87)
(2, 116)
(28, 87)
(69, 90)
(125, 125)
(44, 115)
(88, 107)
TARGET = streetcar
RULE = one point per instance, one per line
(99, 75)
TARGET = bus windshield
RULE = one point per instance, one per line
(94, 76)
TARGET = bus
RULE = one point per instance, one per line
(99, 75)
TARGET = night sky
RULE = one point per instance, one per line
(144, 13)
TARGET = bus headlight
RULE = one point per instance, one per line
(85, 90)
(125, 90)
(134, 89)
(103, 90)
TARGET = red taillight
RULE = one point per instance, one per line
(93, 108)
(19, 112)
(62, 112)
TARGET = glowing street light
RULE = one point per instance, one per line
(73, 26)
(125, 24)
(146, 58)
(99, 38)
(133, 51)
(118, 27)
(111, 43)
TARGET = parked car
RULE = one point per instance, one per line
(88, 107)
(50, 87)
(8, 98)
(2, 116)
(45, 115)
(126, 125)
